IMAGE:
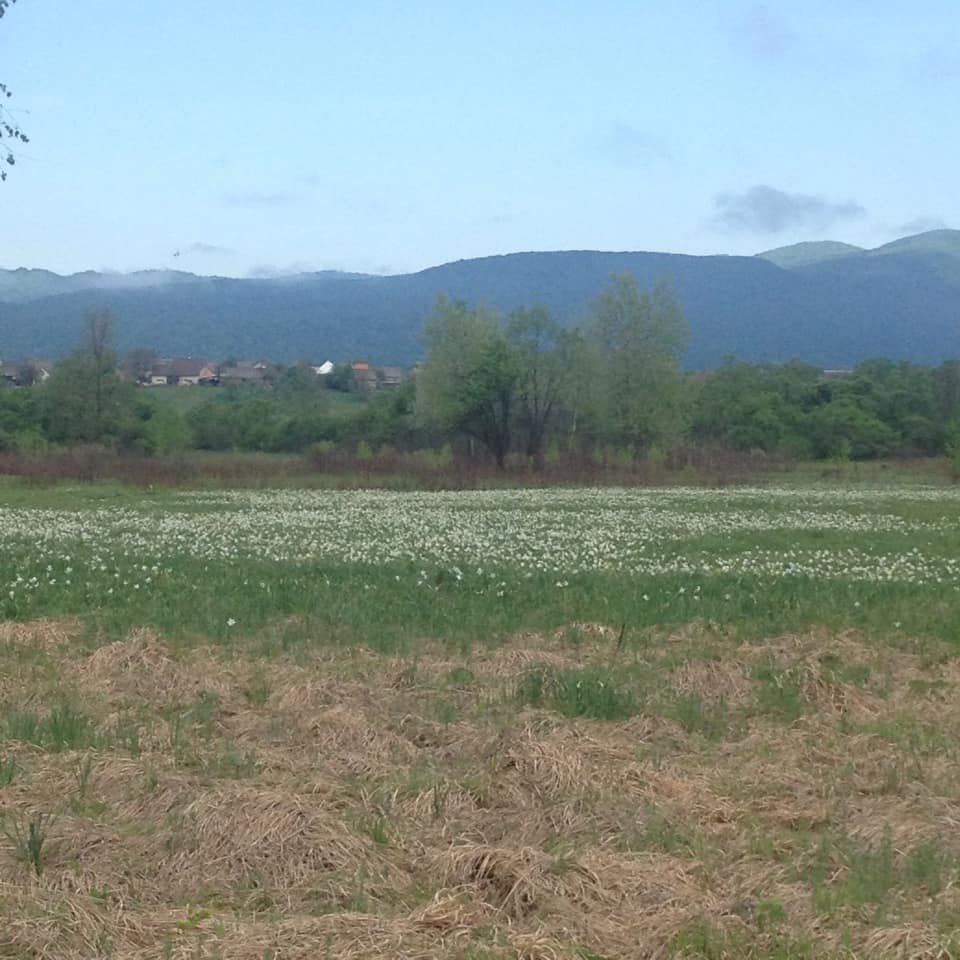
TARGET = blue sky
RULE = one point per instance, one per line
(297, 135)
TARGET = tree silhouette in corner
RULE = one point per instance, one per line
(9, 129)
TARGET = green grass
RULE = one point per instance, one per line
(711, 720)
(780, 691)
(382, 607)
(8, 771)
(64, 727)
(27, 835)
(702, 941)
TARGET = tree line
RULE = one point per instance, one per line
(520, 388)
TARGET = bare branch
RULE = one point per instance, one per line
(9, 128)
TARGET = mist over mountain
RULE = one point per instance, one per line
(22, 285)
(827, 303)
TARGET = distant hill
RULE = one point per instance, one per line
(23, 285)
(808, 252)
(933, 241)
(901, 301)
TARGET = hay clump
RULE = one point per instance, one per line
(515, 880)
(52, 635)
(713, 682)
(142, 669)
(237, 831)
(346, 740)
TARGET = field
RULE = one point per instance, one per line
(481, 725)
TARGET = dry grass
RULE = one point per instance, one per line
(795, 798)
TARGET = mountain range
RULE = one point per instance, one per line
(824, 302)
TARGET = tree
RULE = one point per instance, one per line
(844, 430)
(9, 128)
(633, 345)
(20, 427)
(27, 374)
(300, 389)
(138, 362)
(340, 378)
(468, 380)
(85, 401)
(101, 358)
(952, 444)
(750, 406)
(543, 355)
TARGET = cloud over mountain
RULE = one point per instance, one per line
(766, 210)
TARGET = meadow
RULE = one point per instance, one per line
(487, 724)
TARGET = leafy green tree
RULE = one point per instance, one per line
(748, 406)
(213, 425)
(387, 419)
(85, 401)
(843, 429)
(901, 395)
(467, 383)
(20, 422)
(166, 432)
(946, 386)
(544, 356)
(952, 444)
(634, 342)
(300, 389)
(340, 378)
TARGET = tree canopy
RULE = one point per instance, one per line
(495, 380)
(85, 400)
(468, 380)
(633, 343)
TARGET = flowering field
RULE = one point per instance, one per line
(654, 555)
(514, 725)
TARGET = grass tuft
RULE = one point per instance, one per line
(592, 693)
(28, 837)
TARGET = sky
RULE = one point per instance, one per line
(248, 139)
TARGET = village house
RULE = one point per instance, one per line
(368, 378)
(249, 372)
(25, 373)
(364, 376)
(389, 377)
(181, 372)
(192, 371)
